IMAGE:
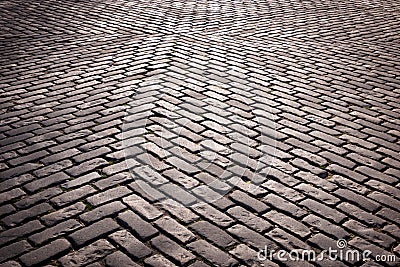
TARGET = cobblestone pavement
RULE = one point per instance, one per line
(118, 117)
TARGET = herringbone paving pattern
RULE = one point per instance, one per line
(195, 133)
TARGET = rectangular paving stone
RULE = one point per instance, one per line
(253, 239)
(383, 187)
(316, 181)
(357, 176)
(179, 211)
(358, 141)
(284, 205)
(318, 194)
(109, 195)
(136, 224)
(357, 199)
(150, 176)
(172, 249)
(19, 232)
(287, 240)
(338, 159)
(385, 199)
(91, 154)
(370, 234)
(87, 254)
(20, 216)
(45, 253)
(300, 144)
(283, 190)
(64, 213)
(114, 180)
(152, 161)
(285, 178)
(212, 254)
(55, 231)
(213, 234)
(183, 165)
(158, 260)
(102, 211)
(248, 202)
(71, 196)
(174, 229)
(314, 159)
(40, 183)
(323, 210)
(325, 226)
(133, 246)
(118, 259)
(304, 165)
(9, 195)
(180, 195)
(81, 180)
(142, 207)
(181, 178)
(289, 223)
(87, 166)
(19, 170)
(249, 219)
(93, 231)
(60, 156)
(6, 209)
(147, 191)
(322, 241)
(53, 168)
(327, 137)
(366, 161)
(361, 215)
(16, 181)
(14, 249)
(120, 167)
(214, 215)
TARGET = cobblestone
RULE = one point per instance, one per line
(102, 211)
(292, 225)
(55, 231)
(212, 254)
(20, 231)
(172, 249)
(134, 247)
(119, 259)
(71, 196)
(108, 195)
(213, 234)
(249, 219)
(45, 253)
(93, 231)
(158, 260)
(63, 213)
(24, 215)
(176, 230)
(14, 249)
(87, 254)
(142, 228)
(250, 237)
